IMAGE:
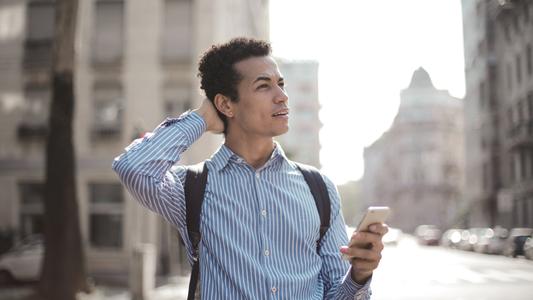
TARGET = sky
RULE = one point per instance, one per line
(367, 53)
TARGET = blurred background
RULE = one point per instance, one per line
(424, 106)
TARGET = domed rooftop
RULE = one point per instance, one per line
(421, 79)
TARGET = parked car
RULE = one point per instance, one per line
(528, 248)
(23, 261)
(481, 238)
(514, 245)
(451, 238)
(465, 244)
(497, 241)
(428, 235)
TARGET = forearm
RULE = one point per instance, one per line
(144, 168)
(337, 273)
(157, 152)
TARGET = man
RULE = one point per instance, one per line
(259, 223)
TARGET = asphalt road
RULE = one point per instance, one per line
(407, 271)
(410, 271)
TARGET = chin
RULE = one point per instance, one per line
(281, 131)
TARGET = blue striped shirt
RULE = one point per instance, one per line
(259, 226)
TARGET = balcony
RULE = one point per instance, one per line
(106, 131)
(520, 135)
(32, 130)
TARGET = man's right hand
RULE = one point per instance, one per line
(209, 113)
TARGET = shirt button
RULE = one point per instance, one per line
(267, 253)
(274, 289)
(257, 175)
(264, 213)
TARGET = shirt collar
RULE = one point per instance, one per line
(223, 156)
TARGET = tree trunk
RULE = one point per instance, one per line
(63, 271)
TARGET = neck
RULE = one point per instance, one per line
(255, 151)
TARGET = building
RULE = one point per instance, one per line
(416, 167)
(302, 142)
(498, 41)
(135, 65)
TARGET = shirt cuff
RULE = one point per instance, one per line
(191, 123)
(350, 287)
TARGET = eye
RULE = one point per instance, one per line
(262, 86)
(282, 84)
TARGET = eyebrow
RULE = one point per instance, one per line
(266, 78)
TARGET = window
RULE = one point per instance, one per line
(529, 60)
(11, 22)
(527, 163)
(107, 109)
(482, 94)
(31, 208)
(34, 122)
(37, 101)
(521, 111)
(510, 118)
(517, 166)
(108, 36)
(176, 41)
(509, 76)
(530, 106)
(522, 156)
(518, 68)
(40, 21)
(526, 12)
(530, 167)
(106, 215)
(528, 210)
(176, 100)
(40, 27)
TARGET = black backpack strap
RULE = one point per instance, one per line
(195, 182)
(320, 193)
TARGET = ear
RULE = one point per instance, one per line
(224, 105)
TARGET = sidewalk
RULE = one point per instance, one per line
(171, 288)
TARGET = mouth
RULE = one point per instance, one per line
(281, 113)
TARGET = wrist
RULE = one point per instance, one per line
(360, 277)
(204, 115)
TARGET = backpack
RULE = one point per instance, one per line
(195, 182)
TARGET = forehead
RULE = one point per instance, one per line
(253, 67)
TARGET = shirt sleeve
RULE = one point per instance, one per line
(335, 273)
(147, 170)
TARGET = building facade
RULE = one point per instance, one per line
(498, 41)
(302, 142)
(416, 167)
(135, 65)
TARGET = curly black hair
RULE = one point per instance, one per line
(216, 67)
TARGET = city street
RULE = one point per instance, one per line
(410, 271)
(407, 271)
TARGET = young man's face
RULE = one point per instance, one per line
(262, 109)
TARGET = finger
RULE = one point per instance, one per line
(362, 239)
(359, 253)
(379, 228)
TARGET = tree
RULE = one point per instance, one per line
(63, 271)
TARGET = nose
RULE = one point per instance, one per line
(282, 96)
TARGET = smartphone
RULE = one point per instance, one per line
(374, 214)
